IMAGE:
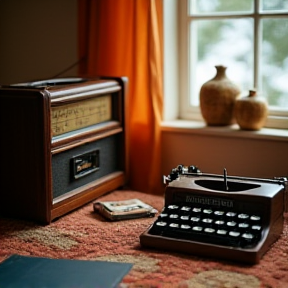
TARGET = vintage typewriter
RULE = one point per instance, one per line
(221, 216)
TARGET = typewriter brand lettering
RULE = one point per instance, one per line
(209, 201)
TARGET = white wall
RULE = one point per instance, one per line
(264, 158)
(38, 39)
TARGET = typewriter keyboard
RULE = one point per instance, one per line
(215, 226)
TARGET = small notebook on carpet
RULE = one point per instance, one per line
(124, 209)
(29, 272)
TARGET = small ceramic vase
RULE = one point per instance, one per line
(251, 111)
(217, 99)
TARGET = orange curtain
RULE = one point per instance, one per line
(125, 38)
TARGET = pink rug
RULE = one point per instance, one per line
(83, 234)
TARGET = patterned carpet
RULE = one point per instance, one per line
(85, 235)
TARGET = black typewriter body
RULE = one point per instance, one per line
(218, 216)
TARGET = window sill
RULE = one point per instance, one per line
(200, 128)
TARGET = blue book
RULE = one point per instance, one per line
(37, 272)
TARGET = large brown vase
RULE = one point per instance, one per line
(217, 99)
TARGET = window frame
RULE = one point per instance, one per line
(176, 89)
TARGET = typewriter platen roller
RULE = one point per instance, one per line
(220, 216)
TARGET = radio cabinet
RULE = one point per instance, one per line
(62, 145)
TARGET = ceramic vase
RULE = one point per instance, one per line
(217, 99)
(251, 111)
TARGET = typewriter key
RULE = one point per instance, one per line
(256, 228)
(161, 223)
(186, 208)
(173, 207)
(195, 219)
(184, 217)
(243, 216)
(219, 213)
(243, 226)
(255, 219)
(207, 211)
(234, 234)
(197, 228)
(234, 237)
(231, 223)
(222, 232)
(207, 220)
(174, 225)
(231, 214)
(248, 236)
(196, 210)
(174, 216)
(220, 223)
(163, 215)
(185, 227)
(209, 230)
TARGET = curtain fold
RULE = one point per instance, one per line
(125, 38)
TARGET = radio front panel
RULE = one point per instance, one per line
(106, 154)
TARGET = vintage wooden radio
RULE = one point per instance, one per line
(62, 145)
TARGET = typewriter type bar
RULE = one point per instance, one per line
(218, 216)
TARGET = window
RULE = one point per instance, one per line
(249, 37)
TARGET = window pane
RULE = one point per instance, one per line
(276, 5)
(274, 60)
(221, 42)
(212, 6)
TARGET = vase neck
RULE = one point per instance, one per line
(252, 93)
(221, 72)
